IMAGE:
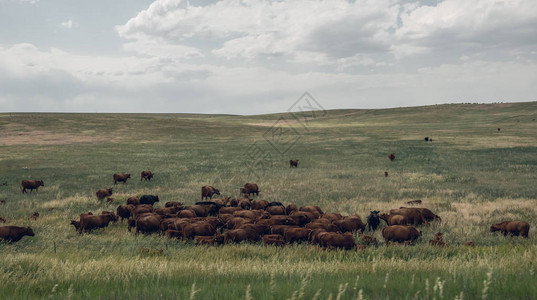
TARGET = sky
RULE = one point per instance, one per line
(255, 56)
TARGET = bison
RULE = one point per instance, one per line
(394, 219)
(391, 156)
(373, 220)
(173, 204)
(31, 185)
(259, 204)
(336, 240)
(293, 163)
(148, 199)
(103, 193)
(296, 234)
(200, 228)
(124, 211)
(385, 174)
(350, 224)
(148, 223)
(208, 191)
(250, 188)
(134, 200)
(370, 240)
(121, 178)
(14, 233)
(147, 175)
(2, 220)
(400, 233)
(273, 239)
(469, 243)
(90, 222)
(240, 235)
(515, 228)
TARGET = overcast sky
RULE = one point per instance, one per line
(254, 56)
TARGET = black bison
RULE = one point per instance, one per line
(400, 233)
(121, 178)
(385, 174)
(147, 175)
(148, 199)
(391, 156)
(208, 191)
(250, 188)
(373, 220)
(103, 193)
(293, 163)
(426, 139)
(515, 228)
(31, 185)
(14, 233)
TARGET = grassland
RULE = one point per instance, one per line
(471, 175)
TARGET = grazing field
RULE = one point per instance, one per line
(471, 174)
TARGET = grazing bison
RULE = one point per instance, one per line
(259, 204)
(121, 178)
(170, 233)
(200, 228)
(293, 163)
(250, 188)
(515, 228)
(31, 185)
(336, 240)
(147, 224)
(173, 204)
(296, 235)
(124, 211)
(187, 214)
(391, 156)
(438, 243)
(148, 199)
(90, 222)
(76, 224)
(373, 220)
(240, 235)
(315, 210)
(142, 209)
(289, 209)
(2, 202)
(394, 219)
(275, 210)
(413, 215)
(400, 233)
(350, 224)
(14, 233)
(133, 200)
(414, 202)
(499, 129)
(103, 193)
(147, 175)
(245, 203)
(208, 191)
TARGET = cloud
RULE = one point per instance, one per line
(68, 24)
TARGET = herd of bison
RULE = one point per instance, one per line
(245, 219)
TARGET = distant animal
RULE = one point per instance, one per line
(14, 233)
(373, 220)
(2, 220)
(2, 202)
(426, 139)
(431, 139)
(385, 174)
(208, 191)
(148, 199)
(469, 243)
(103, 193)
(3, 184)
(133, 200)
(499, 128)
(121, 178)
(34, 216)
(400, 233)
(414, 202)
(147, 175)
(293, 163)
(515, 228)
(391, 156)
(31, 185)
(250, 188)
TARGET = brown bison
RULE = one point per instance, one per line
(103, 193)
(315, 210)
(14, 233)
(336, 240)
(170, 233)
(90, 222)
(124, 211)
(280, 229)
(350, 224)
(391, 156)
(200, 228)
(438, 243)
(31, 185)
(296, 234)
(515, 228)
(250, 188)
(173, 204)
(273, 240)
(142, 209)
(240, 235)
(121, 178)
(413, 215)
(276, 210)
(259, 204)
(394, 219)
(400, 233)
(134, 200)
(187, 213)
(289, 209)
(147, 175)
(208, 191)
(148, 223)
(293, 163)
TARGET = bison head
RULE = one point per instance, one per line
(216, 191)
(29, 231)
(494, 228)
(128, 176)
(40, 183)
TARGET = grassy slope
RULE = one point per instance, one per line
(471, 175)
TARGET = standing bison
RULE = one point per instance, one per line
(400, 234)
(31, 185)
(147, 175)
(121, 178)
(515, 228)
(293, 163)
(103, 193)
(14, 233)
(148, 199)
(250, 188)
(208, 191)
(373, 220)
(391, 156)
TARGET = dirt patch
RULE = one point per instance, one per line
(39, 137)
